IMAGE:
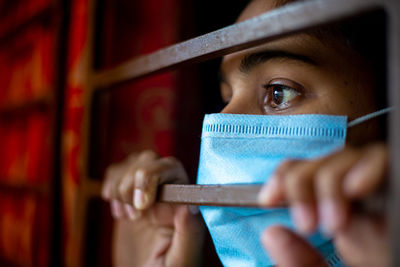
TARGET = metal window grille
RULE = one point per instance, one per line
(281, 22)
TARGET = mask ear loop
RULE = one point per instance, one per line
(369, 116)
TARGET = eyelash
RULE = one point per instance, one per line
(289, 89)
(270, 101)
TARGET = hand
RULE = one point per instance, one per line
(158, 234)
(321, 192)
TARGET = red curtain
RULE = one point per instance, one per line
(27, 58)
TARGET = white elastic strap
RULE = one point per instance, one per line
(369, 116)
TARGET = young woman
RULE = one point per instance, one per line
(322, 71)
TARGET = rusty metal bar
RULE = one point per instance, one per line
(210, 195)
(244, 195)
(268, 26)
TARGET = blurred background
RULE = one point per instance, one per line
(56, 138)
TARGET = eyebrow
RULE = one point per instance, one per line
(253, 60)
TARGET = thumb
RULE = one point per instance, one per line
(188, 238)
(288, 249)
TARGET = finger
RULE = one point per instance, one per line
(132, 213)
(146, 155)
(272, 193)
(112, 173)
(290, 250)
(106, 190)
(369, 172)
(364, 242)
(147, 179)
(299, 191)
(117, 209)
(188, 238)
(123, 187)
(333, 207)
(132, 157)
(115, 179)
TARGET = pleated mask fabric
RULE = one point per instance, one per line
(246, 149)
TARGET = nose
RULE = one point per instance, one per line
(231, 108)
(234, 107)
(241, 106)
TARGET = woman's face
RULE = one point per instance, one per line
(299, 74)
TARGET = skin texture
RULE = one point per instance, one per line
(300, 74)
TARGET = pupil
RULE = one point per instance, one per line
(277, 95)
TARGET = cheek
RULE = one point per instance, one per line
(359, 105)
(346, 97)
(356, 90)
(245, 99)
(353, 105)
(357, 101)
(329, 101)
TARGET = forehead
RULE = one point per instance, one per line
(256, 7)
(299, 44)
(323, 51)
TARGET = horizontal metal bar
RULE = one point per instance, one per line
(268, 26)
(245, 195)
(210, 195)
(206, 195)
(234, 195)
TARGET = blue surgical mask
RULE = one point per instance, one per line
(246, 149)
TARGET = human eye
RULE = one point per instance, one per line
(281, 94)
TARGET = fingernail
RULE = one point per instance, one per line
(268, 192)
(139, 174)
(132, 213)
(116, 209)
(140, 199)
(194, 209)
(354, 178)
(105, 193)
(331, 216)
(303, 217)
